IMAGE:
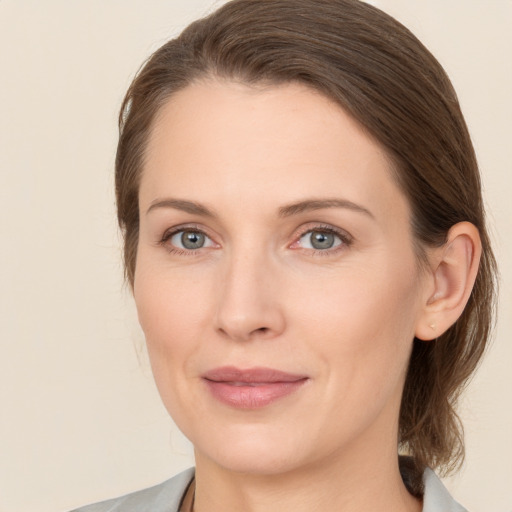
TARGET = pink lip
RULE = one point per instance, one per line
(251, 388)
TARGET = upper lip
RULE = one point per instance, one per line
(251, 375)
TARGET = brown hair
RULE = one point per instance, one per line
(385, 78)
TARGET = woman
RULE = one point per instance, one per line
(305, 239)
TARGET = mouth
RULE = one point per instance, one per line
(251, 388)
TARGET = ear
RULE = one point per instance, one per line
(453, 270)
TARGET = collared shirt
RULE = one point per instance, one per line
(167, 497)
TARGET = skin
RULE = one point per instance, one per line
(258, 294)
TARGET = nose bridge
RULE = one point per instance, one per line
(248, 299)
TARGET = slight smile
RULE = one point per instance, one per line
(251, 388)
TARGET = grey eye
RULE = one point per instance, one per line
(319, 240)
(190, 240)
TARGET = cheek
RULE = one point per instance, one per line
(169, 302)
(370, 298)
(169, 314)
(168, 311)
(364, 339)
(361, 323)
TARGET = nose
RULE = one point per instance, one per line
(248, 299)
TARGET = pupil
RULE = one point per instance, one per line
(322, 240)
(192, 240)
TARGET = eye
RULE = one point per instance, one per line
(319, 240)
(188, 240)
(322, 239)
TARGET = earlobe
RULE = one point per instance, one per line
(454, 270)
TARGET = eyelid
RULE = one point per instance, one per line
(169, 233)
(343, 235)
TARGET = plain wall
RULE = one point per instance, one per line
(80, 418)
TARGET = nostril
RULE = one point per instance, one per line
(261, 330)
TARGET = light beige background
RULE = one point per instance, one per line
(80, 419)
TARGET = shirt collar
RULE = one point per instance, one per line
(436, 497)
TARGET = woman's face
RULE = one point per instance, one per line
(276, 280)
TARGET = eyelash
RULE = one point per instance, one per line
(346, 239)
(176, 250)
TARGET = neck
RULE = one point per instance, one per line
(339, 484)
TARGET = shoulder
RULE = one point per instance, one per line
(164, 497)
(436, 497)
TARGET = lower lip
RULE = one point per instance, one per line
(252, 396)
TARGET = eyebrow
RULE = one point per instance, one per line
(319, 204)
(285, 211)
(183, 205)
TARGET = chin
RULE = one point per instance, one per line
(252, 451)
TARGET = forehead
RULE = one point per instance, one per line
(218, 139)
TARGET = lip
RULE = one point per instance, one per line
(251, 388)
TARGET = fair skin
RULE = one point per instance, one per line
(272, 235)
